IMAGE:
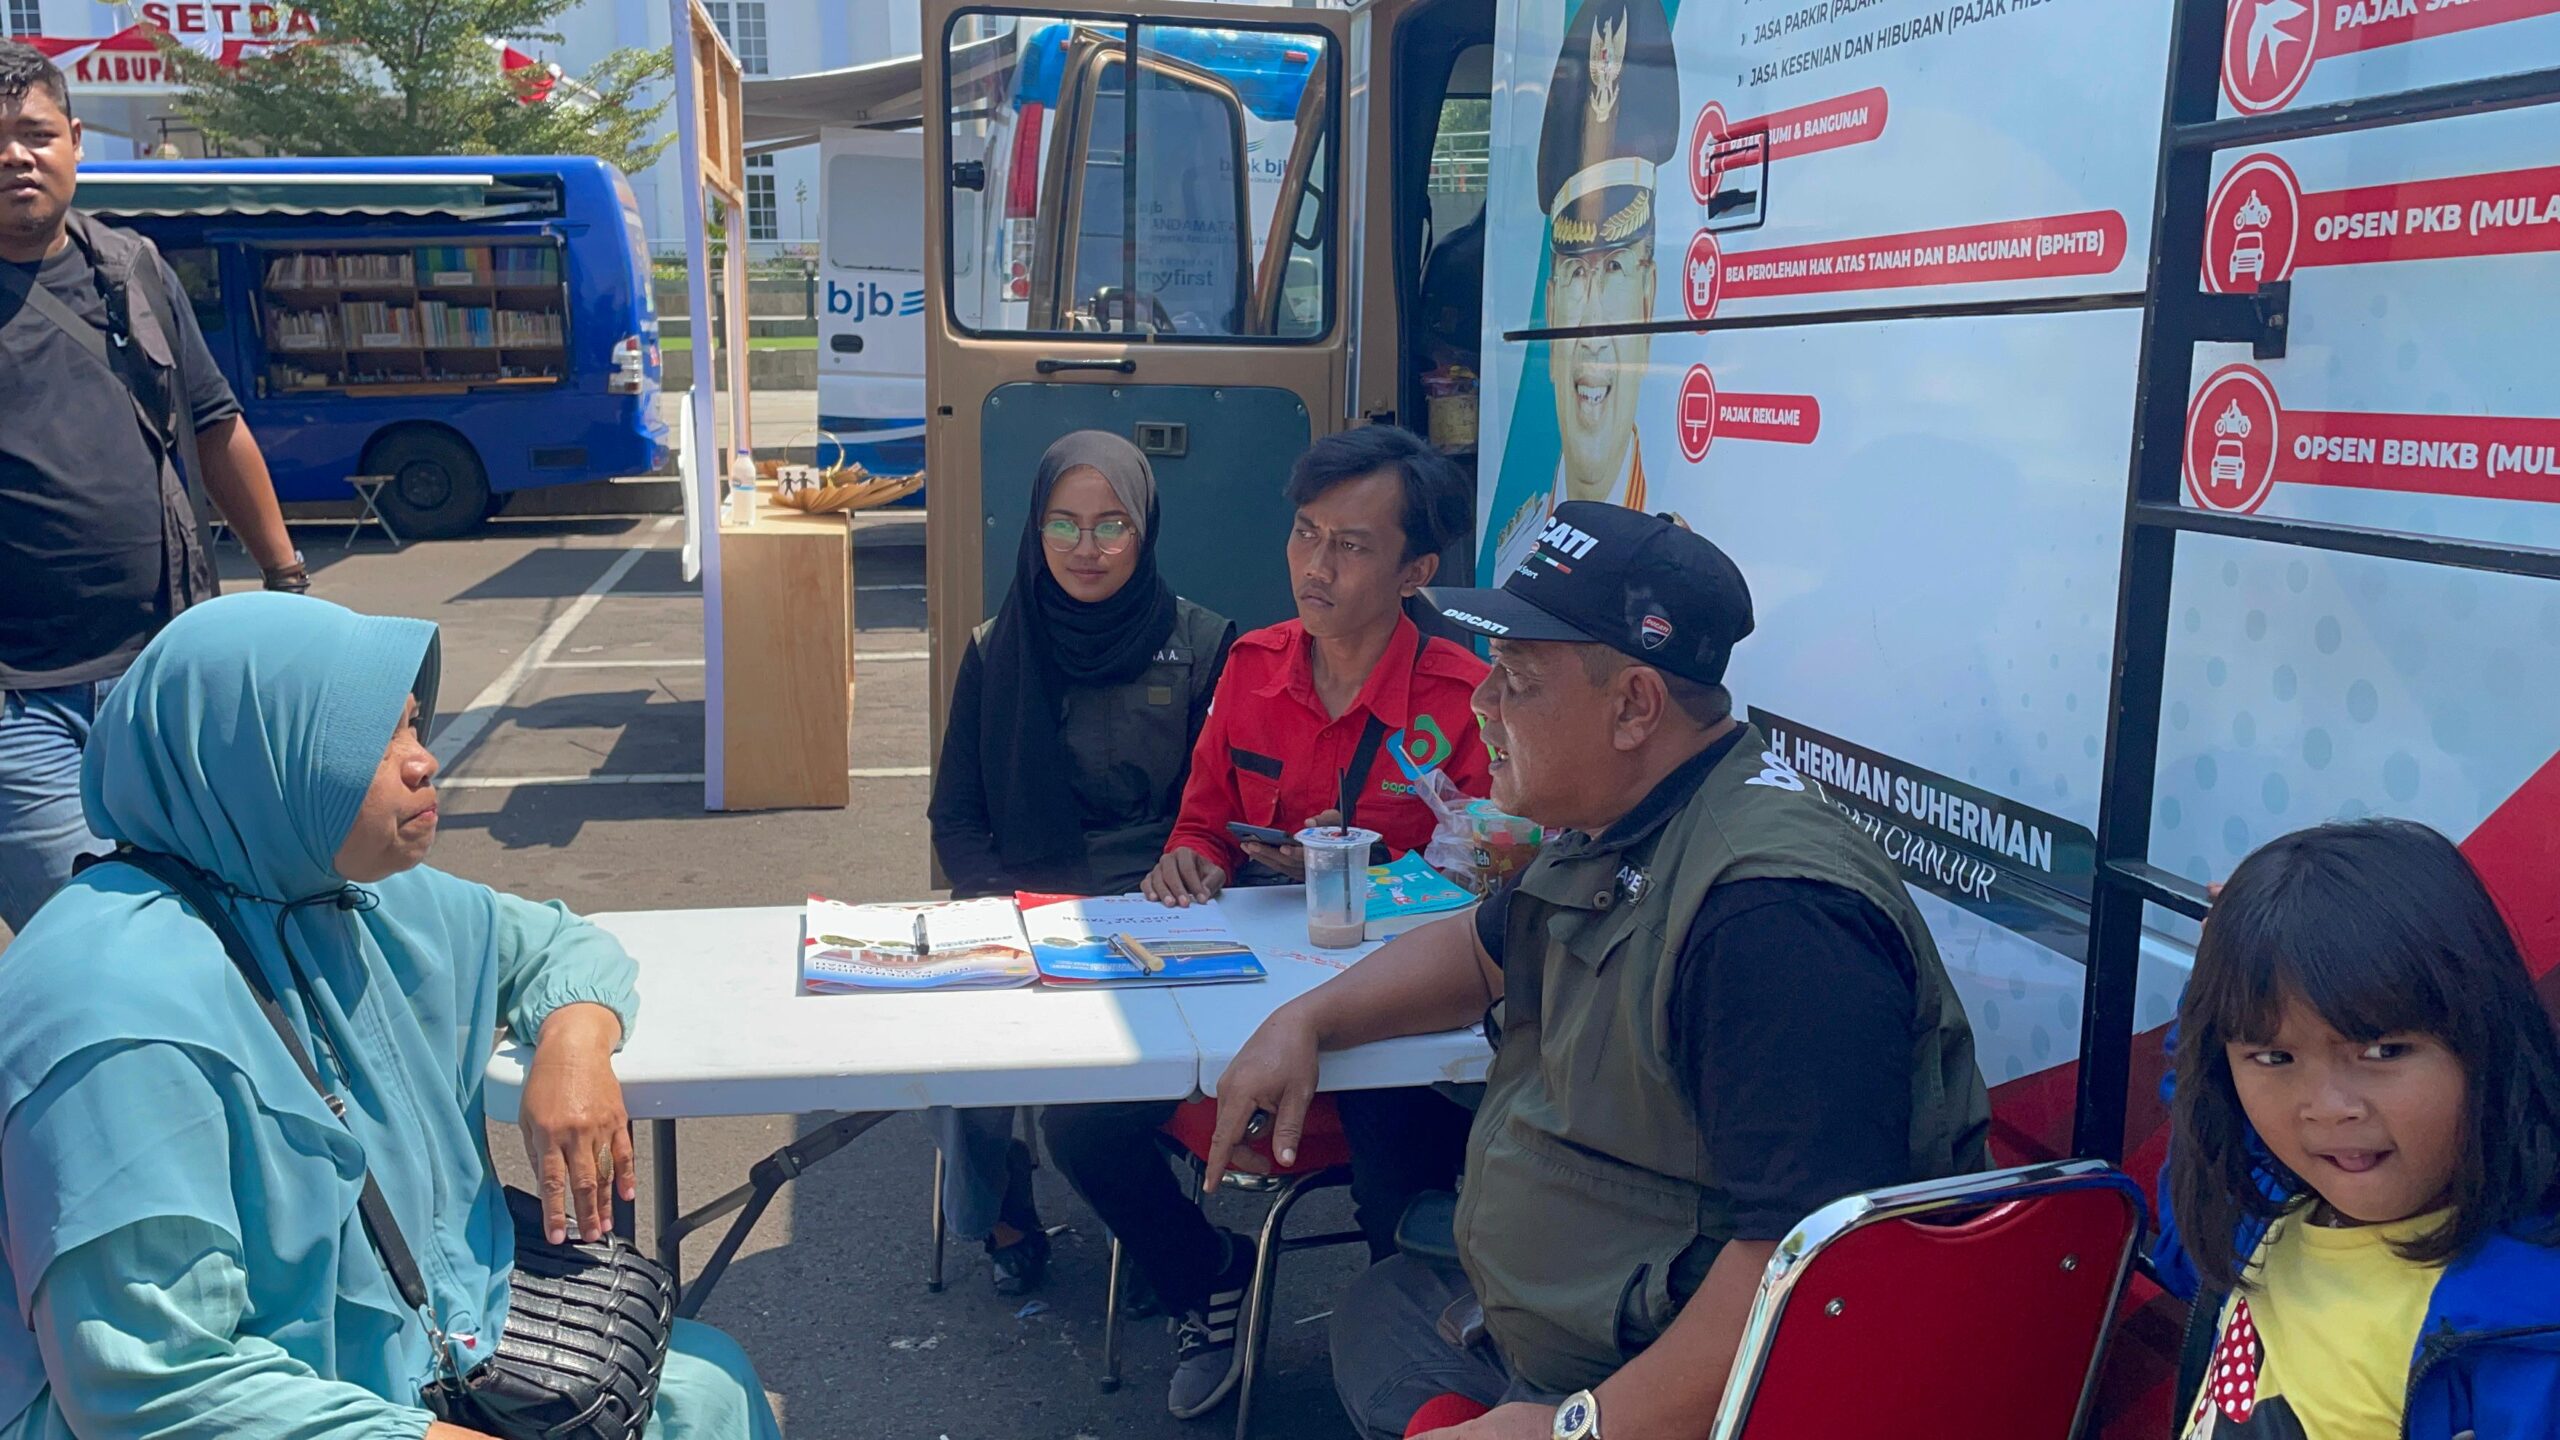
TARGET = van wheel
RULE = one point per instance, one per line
(438, 490)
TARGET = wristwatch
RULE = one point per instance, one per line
(1578, 1418)
(293, 578)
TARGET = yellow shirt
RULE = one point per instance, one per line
(2318, 1346)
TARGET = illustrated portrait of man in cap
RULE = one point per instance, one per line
(1613, 118)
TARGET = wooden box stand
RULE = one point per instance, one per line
(786, 659)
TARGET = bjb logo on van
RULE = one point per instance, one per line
(866, 300)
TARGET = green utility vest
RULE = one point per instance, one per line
(1586, 1177)
(1129, 749)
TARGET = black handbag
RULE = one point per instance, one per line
(587, 1321)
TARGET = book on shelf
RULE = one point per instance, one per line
(457, 327)
(303, 329)
(950, 945)
(1131, 940)
(1407, 893)
(376, 267)
(302, 270)
(530, 328)
(455, 264)
(525, 265)
(371, 324)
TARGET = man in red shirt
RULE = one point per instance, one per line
(1304, 707)
(1308, 702)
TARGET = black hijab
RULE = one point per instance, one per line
(1045, 640)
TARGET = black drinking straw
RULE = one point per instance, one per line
(1342, 790)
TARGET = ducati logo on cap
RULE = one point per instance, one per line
(1566, 540)
(1652, 630)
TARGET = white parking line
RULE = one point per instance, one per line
(697, 594)
(522, 782)
(677, 662)
(466, 728)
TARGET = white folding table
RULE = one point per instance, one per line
(724, 1031)
(1273, 921)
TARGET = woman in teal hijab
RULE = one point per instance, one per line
(178, 1228)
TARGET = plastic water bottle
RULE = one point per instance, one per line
(742, 492)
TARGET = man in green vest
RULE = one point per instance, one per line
(1714, 1010)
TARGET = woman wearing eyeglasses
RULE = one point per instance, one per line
(1069, 738)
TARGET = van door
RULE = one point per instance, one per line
(1160, 259)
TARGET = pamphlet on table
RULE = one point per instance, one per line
(1408, 893)
(1131, 940)
(953, 945)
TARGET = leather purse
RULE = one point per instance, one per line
(588, 1321)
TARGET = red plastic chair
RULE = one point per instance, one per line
(1442, 1412)
(1323, 1163)
(1976, 1307)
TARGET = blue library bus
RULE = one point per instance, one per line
(465, 326)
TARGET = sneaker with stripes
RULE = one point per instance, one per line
(1206, 1360)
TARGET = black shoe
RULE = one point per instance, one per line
(1137, 1298)
(1206, 1359)
(1022, 1265)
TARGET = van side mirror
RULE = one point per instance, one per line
(969, 175)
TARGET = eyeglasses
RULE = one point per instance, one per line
(1110, 537)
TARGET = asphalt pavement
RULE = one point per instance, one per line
(573, 664)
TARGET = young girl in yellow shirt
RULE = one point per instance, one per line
(2368, 1136)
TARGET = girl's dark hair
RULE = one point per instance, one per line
(2383, 928)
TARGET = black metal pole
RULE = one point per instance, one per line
(2170, 324)
(663, 1201)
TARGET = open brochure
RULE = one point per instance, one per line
(1131, 940)
(1406, 894)
(953, 945)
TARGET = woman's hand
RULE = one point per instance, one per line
(576, 1132)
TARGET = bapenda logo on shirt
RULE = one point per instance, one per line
(1419, 748)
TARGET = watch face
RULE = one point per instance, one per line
(1574, 1418)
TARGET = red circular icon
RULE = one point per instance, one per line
(1702, 276)
(2268, 47)
(1706, 164)
(1697, 419)
(2252, 226)
(2233, 437)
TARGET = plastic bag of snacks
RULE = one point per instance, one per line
(1492, 847)
(1472, 842)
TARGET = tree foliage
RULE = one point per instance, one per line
(421, 77)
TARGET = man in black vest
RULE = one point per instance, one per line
(112, 406)
(1714, 1010)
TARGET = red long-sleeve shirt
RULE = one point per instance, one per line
(1270, 755)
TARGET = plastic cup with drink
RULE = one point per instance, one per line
(1337, 884)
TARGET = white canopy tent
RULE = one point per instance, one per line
(787, 110)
